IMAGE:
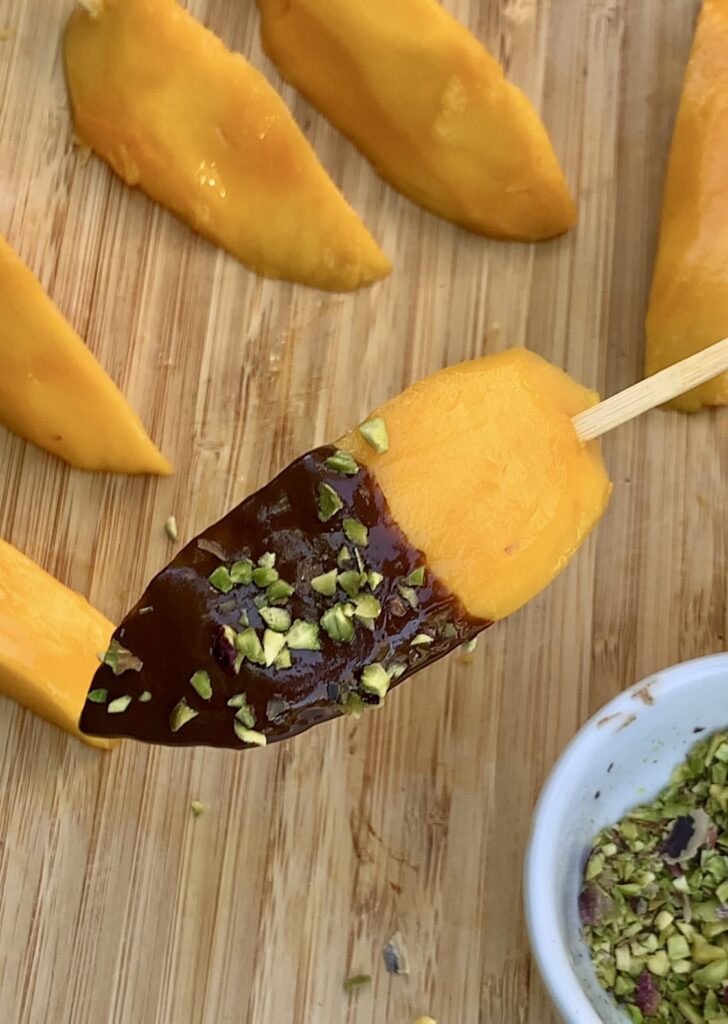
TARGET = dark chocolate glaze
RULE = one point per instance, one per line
(181, 634)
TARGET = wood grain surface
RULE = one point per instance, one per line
(116, 904)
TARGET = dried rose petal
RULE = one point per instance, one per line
(646, 995)
(594, 905)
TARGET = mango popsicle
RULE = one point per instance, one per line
(361, 563)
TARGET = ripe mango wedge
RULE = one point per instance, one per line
(52, 390)
(198, 129)
(688, 308)
(49, 638)
(429, 106)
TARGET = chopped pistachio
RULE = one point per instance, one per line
(350, 582)
(245, 715)
(396, 670)
(342, 462)
(367, 607)
(181, 714)
(260, 601)
(268, 560)
(417, 577)
(197, 808)
(360, 563)
(329, 502)
(277, 619)
(220, 579)
(170, 528)
(264, 575)
(303, 636)
(469, 646)
(279, 591)
(374, 580)
(238, 700)
(200, 683)
(283, 660)
(98, 696)
(146, 610)
(374, 432)
(273, 644)
(243, 618)
(248, 644)
(325, 583)
(421, 639)
(256, 739)
(145, 697)
(241, 572)
(356, 982)
(120, 660)
(410, 595)
(375, 679)
(356, 531)
(119, 705)
(338, 625)
(344, 556)
(367, 623)
(353, 706)
(276, 707)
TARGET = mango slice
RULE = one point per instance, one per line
(52, 390)
(689, 302)
(361, 563)
(429, 106)
(486, 475)
(199, 130)
(49, 639)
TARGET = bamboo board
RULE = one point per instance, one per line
(116, 905)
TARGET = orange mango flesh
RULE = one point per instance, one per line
(49, 639)
(429, 106)
(201, 131)
(487, 476)
(689, 302)
(52, 390)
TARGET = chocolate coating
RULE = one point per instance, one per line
(184, 631)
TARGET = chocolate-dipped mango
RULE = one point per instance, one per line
(52, 390)
(360, 563)
(50, 638)
(688, 308)
(195, 126)
(429, 106)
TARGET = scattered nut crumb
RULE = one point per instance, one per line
(197, 808)
(425, 1020)
(356, 982)
(170, 528)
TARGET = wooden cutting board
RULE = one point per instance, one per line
(116, 905)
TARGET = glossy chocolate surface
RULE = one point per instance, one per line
(184, 632)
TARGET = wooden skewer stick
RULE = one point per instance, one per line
(653, 391)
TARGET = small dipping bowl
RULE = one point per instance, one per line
(622, 757)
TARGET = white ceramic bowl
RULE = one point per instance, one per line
(623, 756)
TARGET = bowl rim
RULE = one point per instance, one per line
(561, 983)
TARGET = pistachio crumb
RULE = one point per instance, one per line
(267, 560)
(248, 644)
(283, 661)
(120, 660)
(146, 610)
(350, 582)
(264, 575)
(241, 572)
(200, 683)
(256, 739)
(416, 578)
(145, 697)
(366, 606)
(220, 579)
(410, 595)
(375, 679)
(170, 528)
(119, 705)
(279, 591)
(338, 625)
(273, 644)
(356, 531)
(277, 619)
(342, 462)
(344, 556)
(421, 639)
(181, 714)
(98, 696)
(469, 646)
(374, 432)
(303, 636)
(357, 982)
(374, 579)
(197, 808)
(329, 502)
(325, 583)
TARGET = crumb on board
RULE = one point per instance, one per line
(197, 808)
(356, 982)
(425, 1020)
(170, 528)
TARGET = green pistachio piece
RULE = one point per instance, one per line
(350, 582)
(145, 697)
(360, 563)
(268, 560)
(410, 595)
(374, 432)
(243, 618)
(357, 982)
(367, 607)
(329, 502)
(264, 575)
(120, 660)
(421, 640)
(283, 660)
(260, 601)
(469, 646)
(255, 739)
(221, 580)
(98, 696)
(374, 579)
(170, 528)
(197, 808)
(238, 700)
(396, 670)
(375, 679)
(119, 705)
(416, 578)
(303, 636)
(200, 683)
(353, 706)
(367, 623)
(279, 591)
(344, 556)
(273, 644)
(245, 715)
(248, 644)
(342, 462)
(277, 619)
(242, 572)
(181, 714)
(356, 531)
(147, 610)
(336, 623)
(325, 583)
